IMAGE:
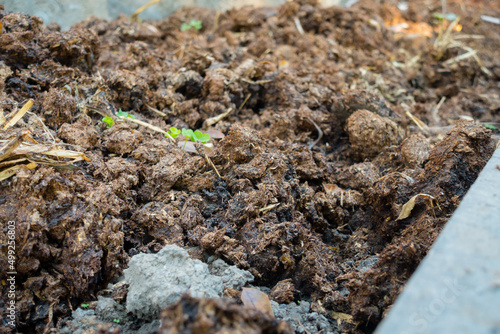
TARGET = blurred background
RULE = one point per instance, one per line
(68, 12)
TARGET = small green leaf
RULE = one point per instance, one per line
(116, 321)
(196, 24)
(202, 137)
(438, 16)
(188, 133)
(447, 16)
(84, 305)
(109, 121)
(125, 114)
(490, 126)
(173, 132)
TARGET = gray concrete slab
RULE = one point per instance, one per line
(456, 288)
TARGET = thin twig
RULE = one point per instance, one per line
(212, 120)
(298, 25)
(141, 9)
(244, 102)
(301, 325)
(149, 126)
(320, 133)
(421, 125)
(162, 114)
(44, 126)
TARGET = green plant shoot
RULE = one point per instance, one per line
(125, 114)
(173, 132)
(201, 137)
(447, 16)
(84, 305)
(195, 136)
(196, 24)
(109, 121)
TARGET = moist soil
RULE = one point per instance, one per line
(320, 150)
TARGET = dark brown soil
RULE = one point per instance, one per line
(300, 213)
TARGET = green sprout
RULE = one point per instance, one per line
(116, 321)
(84, 305)
(492, 127)
(173, 132)
(447, 16)
(109, 121)
(195, 136)
(124, 114)
(196, 24)
(191, 135)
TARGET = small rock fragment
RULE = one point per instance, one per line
(159, 280)
(283, 292)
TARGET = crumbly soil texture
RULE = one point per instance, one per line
(332, 120)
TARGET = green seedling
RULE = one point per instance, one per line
(124, 114)
(191, 135)
(195, 136)
(109, 121)
(196, 24)
(173, 132)
(84, 305)
(448, 16)
(492, 127)
(117, 321)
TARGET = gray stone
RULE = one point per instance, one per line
(310, 322)
(366, 264)
(456, 288)
(159, 280)
(82, 321)
(108, 310)
(231, 276)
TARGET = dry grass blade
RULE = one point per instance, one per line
(143, 8)
(18, 146)
(213, 120)
(5, 174)
(461, 57)
(19, 114)
(320, 133)
(149, 126)
(298, 25)
(162, 114)
(66, 154)
(421, 125)
(11, 162)
(444, 39)
(10, 146)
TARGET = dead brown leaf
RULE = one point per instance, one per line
(257, 299)
(406, 210)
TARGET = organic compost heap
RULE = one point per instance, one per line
(325, 122)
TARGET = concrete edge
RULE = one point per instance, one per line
(456, 288)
